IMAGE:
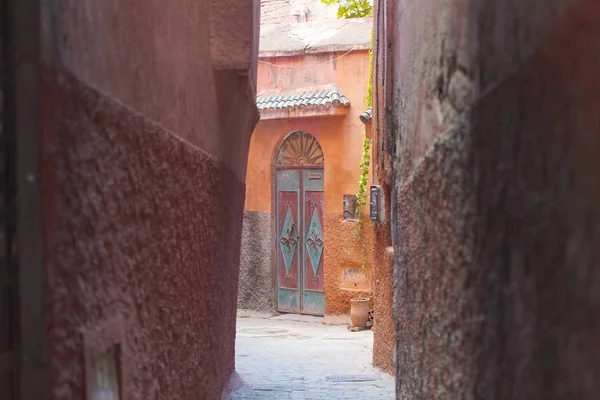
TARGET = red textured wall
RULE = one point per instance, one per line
(142, 235)
(384, 334)
(498, 207)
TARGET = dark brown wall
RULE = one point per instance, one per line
(142, 206)
(21, 54)
(498, 209)
(8, 286)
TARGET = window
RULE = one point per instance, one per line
(350, 207)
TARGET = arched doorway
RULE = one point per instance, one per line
(299, 240)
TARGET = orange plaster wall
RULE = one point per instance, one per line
(340, 137)
(342, 148)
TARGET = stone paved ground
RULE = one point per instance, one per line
(282, 359)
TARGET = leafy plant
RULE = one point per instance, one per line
(361, 193)
(351, 8)
(360, 9)
(365, 162)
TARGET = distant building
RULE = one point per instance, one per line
(299, 251)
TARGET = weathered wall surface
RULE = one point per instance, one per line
(345, 277)
(129, 241)
(498, 207)
(256, 283)
(142, 205)
(341, 141)
(384, 333)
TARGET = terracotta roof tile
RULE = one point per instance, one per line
(325, 96)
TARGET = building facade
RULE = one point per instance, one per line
(384, 332)
(129, 123)
(299, 251)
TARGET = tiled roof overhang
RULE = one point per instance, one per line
(306, 102)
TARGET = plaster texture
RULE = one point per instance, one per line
(345, 278)
(497, 194)
(145, 115)
(384, 332)
(257, 282)
(136, 256)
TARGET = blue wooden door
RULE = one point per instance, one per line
(300, 240)
(313, 288)
(288, 217)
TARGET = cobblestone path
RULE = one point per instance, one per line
(283, 359)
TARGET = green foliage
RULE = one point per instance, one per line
(365, 162)
(351, 8)
(361, 193)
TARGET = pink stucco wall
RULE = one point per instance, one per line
(144, 136)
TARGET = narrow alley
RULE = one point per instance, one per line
(194, 192)
(298, 357)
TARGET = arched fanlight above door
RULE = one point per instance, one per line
(299, 148)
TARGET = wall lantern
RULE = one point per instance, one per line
(376, 204)
(367, 119)
(367, 116)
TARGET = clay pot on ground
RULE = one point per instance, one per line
(359, 312)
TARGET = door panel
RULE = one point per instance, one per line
(314, 242)
(313, 295)
(288, 240)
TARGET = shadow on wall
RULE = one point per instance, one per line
(257, 286)
(499, 200)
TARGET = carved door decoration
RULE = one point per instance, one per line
(300, 239)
